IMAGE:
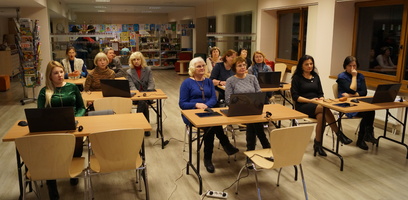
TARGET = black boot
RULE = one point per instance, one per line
(369, 135)
(229, 149)
(209, 166)
(360, 141)
(52, 189)
(343, 139)
(318, 149)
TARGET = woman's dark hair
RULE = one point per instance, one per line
(348, 60)
(299, 68)
(240, 50)
(68, 49)
(229, 53)
(239, 59)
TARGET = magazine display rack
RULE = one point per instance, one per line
(28, 44)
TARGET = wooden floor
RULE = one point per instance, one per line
(379, 173)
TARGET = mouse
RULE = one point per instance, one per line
(355, 100)
(80, 128)
(209, 110)
(22, 123)
(144, 94)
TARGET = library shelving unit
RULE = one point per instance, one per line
(170, 48)
(159, 51)
(28, 44)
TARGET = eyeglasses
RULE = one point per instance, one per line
(200, 66)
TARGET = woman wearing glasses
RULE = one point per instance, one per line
(197, 92)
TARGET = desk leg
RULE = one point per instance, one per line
(403, 123)
(159, 119)
(337, 142)
(20, 174)
(190, 157)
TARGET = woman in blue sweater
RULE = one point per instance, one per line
(197, 92)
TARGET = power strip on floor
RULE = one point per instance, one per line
(216, 194)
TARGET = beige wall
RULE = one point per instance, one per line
(121, 18)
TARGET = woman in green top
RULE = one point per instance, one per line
(58, 93)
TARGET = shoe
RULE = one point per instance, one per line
(73, 181)
(209, 166)
(343, 139)
(369, 135)
(147, 133)
(230, 150)
(362, 145)
(317, 147)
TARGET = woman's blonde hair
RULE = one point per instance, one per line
(135, 55)
(258, 52)
(49, 85)
(192, 67)
(99, 56)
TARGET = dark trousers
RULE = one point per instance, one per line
(209, 140)
(366, 121)
(256, 130)
(143, 107)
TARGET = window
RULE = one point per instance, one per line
(380, 38)
(292, 26)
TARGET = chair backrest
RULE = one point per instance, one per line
(289, 144)
(335, 89)
(280, 67)
(47, 156)
(292, 71)
(117, 150)
(119, 105)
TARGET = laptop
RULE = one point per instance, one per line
(245, 104)
(116, 88)
(383, 94)
(50, 119)
(269, 79)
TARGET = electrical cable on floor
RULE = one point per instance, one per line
(175, 182)
(237, 180)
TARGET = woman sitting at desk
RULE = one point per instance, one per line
(242, 82)
(384, 59)
(307, 88)
(259, 65)
(140, 78)
(58, 93)
(222, 71)
(352, 84)
(213, 58)
(73, 66)
(197, 92)
(101, 71)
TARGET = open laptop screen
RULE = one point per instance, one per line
(269, 79)
(115, 88)
(245, 104)
(384, 93)
(50, 119)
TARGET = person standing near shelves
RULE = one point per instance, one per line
(73, 67)
(114, 62)
(140, 77)
(58, 93)
(101, 71)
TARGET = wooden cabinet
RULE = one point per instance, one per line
(10, 63)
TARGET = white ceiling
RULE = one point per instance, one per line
(7, 7)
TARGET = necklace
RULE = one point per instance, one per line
(201, 88)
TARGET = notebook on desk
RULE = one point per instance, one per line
(383, 94)
(245, 104)
(269, 79)
(116, 88)
(50, 119)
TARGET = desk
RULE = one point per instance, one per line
(362, 107)
(79, 81)
(91, 124)
(279, 112)
(157, 95)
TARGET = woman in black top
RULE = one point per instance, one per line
(307, 88)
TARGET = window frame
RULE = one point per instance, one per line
(377, 78)
(302, 11)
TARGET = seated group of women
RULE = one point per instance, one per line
(197, 93)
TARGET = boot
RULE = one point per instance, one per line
(209, 166)
(369, 135)
(360, 141)
(318, 149)
(229, 149)
(343, 139)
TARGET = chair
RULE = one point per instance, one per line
(281, 67)
(48, 157)
(119, 105)
(287, 148)
(117, 150)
